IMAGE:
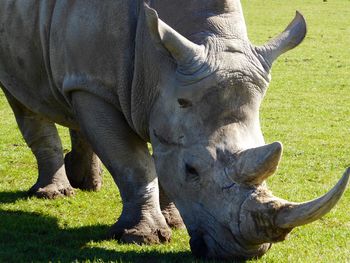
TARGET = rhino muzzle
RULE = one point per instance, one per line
(205, 246)
(263, 219)
(266, 219)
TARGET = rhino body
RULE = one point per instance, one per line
(118, 76)
(50, 47)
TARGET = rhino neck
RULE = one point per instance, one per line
(149, 64)
(197, 18)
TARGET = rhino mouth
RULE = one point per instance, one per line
(215, 240)
(205, 246)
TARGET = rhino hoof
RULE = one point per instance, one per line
(51, 191)
(141, 235)
(172, 217)
(88, 184)
(134, 236)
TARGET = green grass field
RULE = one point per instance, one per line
(307, 108)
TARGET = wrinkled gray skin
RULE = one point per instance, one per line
(118, 76)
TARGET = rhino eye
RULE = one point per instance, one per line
(184, 103)
(191, 172)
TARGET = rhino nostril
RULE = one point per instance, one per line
(198, 246)
(190, 170)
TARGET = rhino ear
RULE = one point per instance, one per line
(291, 37)
(180, 48)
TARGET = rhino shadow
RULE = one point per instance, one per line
(12, 197)
(34, 237)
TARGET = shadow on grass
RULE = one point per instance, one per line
(31, 237)
(34, 237)
(13, 196)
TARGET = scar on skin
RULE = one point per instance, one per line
(228, 187)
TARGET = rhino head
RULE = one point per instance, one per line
(209, 150)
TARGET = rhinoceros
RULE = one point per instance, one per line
(182, 75)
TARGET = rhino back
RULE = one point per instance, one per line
(24, 62)
(92, 48)
(50, 48)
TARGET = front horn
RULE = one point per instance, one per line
(293, 215)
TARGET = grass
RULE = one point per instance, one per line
(307, 108)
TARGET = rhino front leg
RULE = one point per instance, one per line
(169, 211)
(83, 167)
(127, 158)
(42, 138)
